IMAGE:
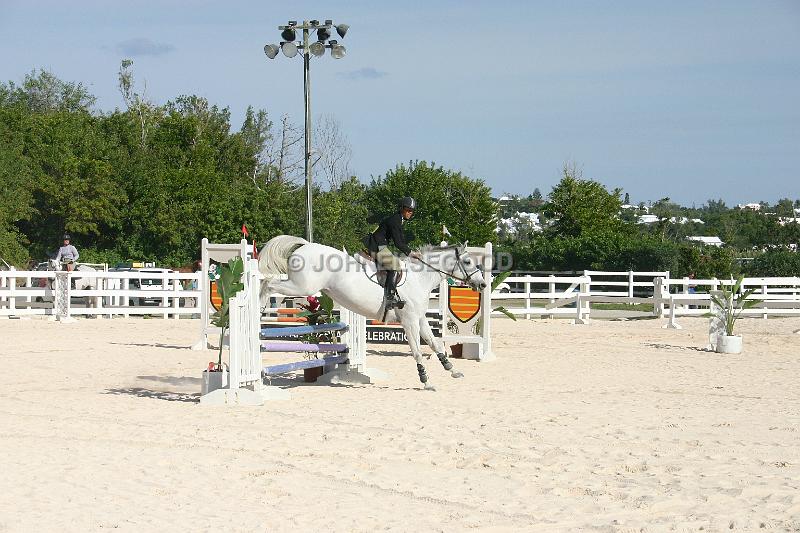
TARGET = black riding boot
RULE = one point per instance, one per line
(389, 292)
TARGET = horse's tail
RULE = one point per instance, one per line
(273, 259)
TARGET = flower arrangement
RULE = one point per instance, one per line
(319, 311)
(229, 281)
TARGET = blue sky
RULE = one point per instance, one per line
(690, 100)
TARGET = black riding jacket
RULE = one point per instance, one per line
(391, 229)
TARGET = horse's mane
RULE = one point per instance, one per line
(433, 248)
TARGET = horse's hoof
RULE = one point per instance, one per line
(456, 374)
(445, 361)
(428, 386)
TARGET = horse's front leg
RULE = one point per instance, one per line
(411, 327)
(289, 288)
(437, 346)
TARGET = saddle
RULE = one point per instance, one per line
(372, 272)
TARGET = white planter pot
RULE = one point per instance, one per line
(213, 381)
(729, 344)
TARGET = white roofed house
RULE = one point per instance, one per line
(752, 207)
(685, 220)
(647, 219)
(708, 241)
(519, 222)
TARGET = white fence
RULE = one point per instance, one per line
(775, 296)
(173, 294)
(100, 293)
(572, 296)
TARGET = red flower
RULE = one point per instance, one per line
(313, 303)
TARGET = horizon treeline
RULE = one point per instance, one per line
(148, 182)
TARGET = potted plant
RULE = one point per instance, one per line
(729, 303)
(229, 282)
(318, 311)
(457, 350)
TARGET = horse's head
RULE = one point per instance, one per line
(457, 263)
(52, 264)
(468, 268)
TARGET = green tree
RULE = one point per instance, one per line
(781, 263)
(784, 208)
(463, 204)
(579, 206)
(16, 194)
(42, 92)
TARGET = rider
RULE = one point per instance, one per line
(67, 254)
(391, 229)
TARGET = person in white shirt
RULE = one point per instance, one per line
(67, 254)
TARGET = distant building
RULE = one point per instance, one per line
(752, 207)
(647, 219)
(520, 221)
(708, 241)
(788, 220)
(684, 220)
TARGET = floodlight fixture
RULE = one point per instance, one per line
(341, 29)
(317, 49)
(288, 34)
(289, 49)
(271, 50)
(337, 50)
(323, 34)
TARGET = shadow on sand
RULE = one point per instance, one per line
(663, 346)
(156, 394)
(153, 345)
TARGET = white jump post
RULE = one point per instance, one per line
(458, 325)
(61, 297)
(581, 299)
(672, 324)
(219, 253)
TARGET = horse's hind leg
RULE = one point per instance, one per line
(411, 328)
(437, 346)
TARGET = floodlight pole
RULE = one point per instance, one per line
(337, 52)
(307, 102)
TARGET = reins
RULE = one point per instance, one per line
(453, 273)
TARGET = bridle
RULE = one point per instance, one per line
(452, 274)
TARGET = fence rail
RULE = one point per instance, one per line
(173, 294)
(568, 295)
(100, 293)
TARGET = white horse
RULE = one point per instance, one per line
(80, 283)
(313, 267)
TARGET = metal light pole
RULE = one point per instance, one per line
(290, 48)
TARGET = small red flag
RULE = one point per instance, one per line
(244, 231)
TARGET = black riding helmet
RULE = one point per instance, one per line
(408, 203)
(66, 237)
